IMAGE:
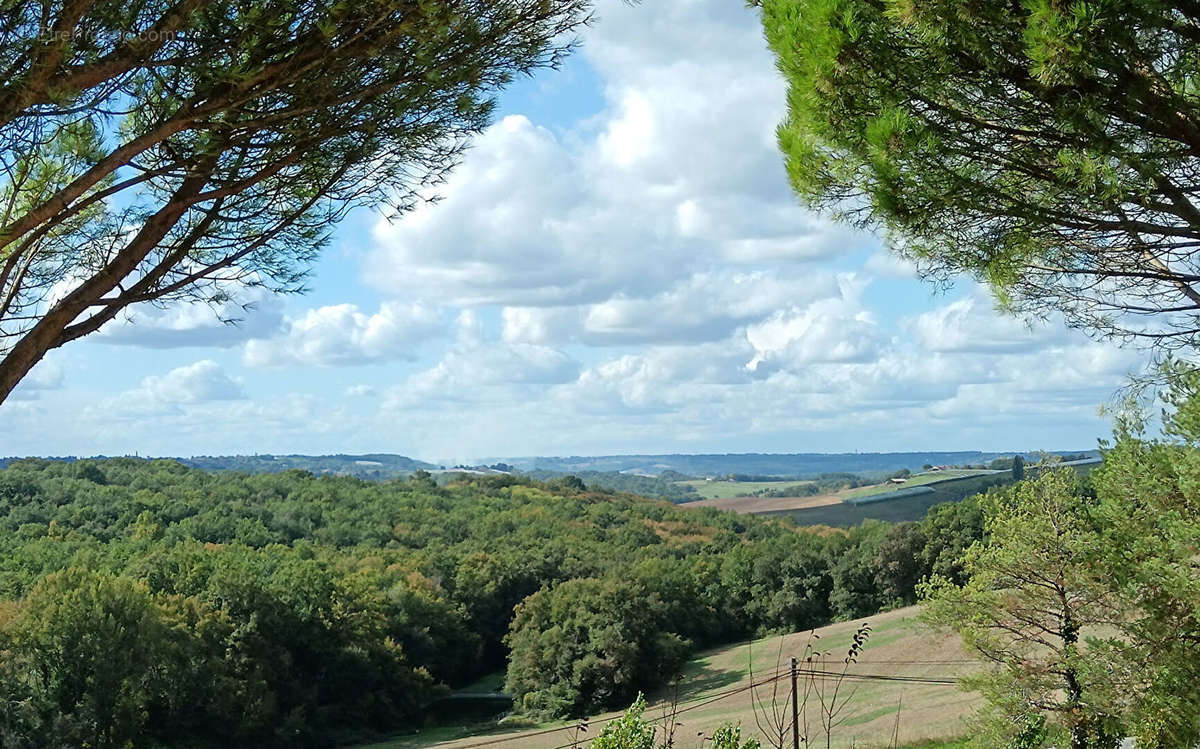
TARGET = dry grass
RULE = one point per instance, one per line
(929, 711)
(755, 505)
(729, 489)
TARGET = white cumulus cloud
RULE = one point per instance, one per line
(191, 385)
(342, 334)
(677, 174)
(973, 325)
(835, 329)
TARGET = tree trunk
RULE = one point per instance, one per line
(48, 332)
(1075, 709)
(17, 364)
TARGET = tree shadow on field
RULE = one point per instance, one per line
(698, 679)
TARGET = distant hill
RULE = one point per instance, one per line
(602, 469)
(764, 464)
(375, 466)
(372, 466)
(663, 486)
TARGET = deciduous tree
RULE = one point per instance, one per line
(589, 643)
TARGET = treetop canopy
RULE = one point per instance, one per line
(1047, 148)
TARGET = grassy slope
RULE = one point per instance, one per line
(727, 490)
(807, 511)
(826, 509)
(730, 489)
(766, 505)
(929, 712)
(920, 479)
(897, 510)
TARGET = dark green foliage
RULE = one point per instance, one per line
(949, 531)
(855, 573)
(88, 645)
(587, 644)
(899, 562)
(292, 609)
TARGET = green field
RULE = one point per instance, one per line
(931, 715)
(732, 489)
(729, 489)
(899, 510)
(919, 479)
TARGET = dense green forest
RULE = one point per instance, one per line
(149, 601)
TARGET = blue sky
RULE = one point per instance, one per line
(617, 266)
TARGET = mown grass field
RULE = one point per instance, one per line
(730, 489)
(899, 510)
(920, 479)
(827, 509)
(899, 646)
(766, 505)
